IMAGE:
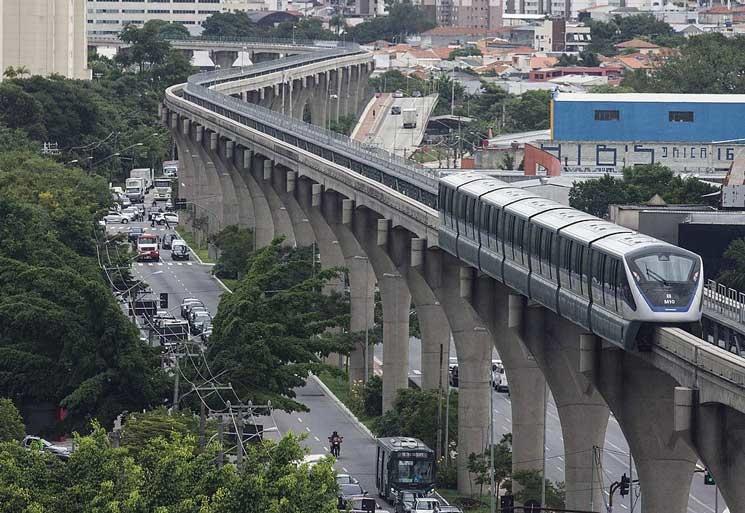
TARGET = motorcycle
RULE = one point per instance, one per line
(336, 445)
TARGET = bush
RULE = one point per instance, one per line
(11, 424)
(373, 397)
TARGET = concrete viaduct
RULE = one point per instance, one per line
(248, 159)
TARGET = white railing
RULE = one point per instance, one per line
(725, 301)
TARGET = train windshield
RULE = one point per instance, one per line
(667, 279)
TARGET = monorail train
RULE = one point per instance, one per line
(604, 277)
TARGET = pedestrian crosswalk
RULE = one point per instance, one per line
(152, 264)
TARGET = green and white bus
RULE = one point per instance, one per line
(403, 464)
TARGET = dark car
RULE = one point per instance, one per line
(198, 322)
(348, 491)
(395, 110)
(167, 241)
(189, 301)
(405, 502)
(134, 233)
(345, 479)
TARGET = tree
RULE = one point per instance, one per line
(624, 28)
(531, 483)
(229, 24)
(235, 245)
(639, 185)
(17, 72)
(11, 423)
(19, 109)
(589, 59)
(344, 125)
(173, 30)
(733, 273)
(529, 111)
(273, 329)
(414, 414)
(146, 46)
(467, 51)
(404, 18)
(709, 63)
(479, 468)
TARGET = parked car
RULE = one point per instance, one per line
(169, 206)
(398, 94)
(188, 301)
(125, 202)
(193, 310)
(134, 233)
(395, 110)
(179, 250)
(358, 505)
(349, 491)
(499, 377)
(416, 94)
(29, 442)
(115, 217)
(206, 334)
(345, 479)
(453, 375)
(449, 509)
(167, 241)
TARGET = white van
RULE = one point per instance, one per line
(179, 250)
(499, 376)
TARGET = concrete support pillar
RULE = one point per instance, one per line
(394, 293)
(213, 141)
(643, 401)
(229, 147)
(362, 313)
(283, 184)
(494, 302)
(583, 413)
(199, 135)
(185, 127)
(263, 223)
(262, 173)
(719, 437)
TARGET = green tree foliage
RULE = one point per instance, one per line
(159, 422)
(238, 24)
(531, 484)
(479, 467)
(468, 51)
(529, 111)
(414, 414)
(639, 185)
(166, 475)
(229, 24)
(271, 331)
(344, 125)
(11, 423)
(63, 337)
(709, 63)
(19, 109)
(404, 18)
(624, 28)
(146, 47)
(372, 397)
(235, 245)
(733, 274)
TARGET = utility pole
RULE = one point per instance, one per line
(438, 450)
(220, 441)
(202, 424)
(176, 385)
(543, 472)
(492, 491)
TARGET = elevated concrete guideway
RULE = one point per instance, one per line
(390, 134)
(376, 214)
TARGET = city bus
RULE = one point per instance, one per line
(163, 188)
(403, 464)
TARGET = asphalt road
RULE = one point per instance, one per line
(185, 279)
(392, 137)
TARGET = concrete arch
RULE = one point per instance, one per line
(263, 223)
(208, 202)
(491, 301)
(229, 200)
(261, 170)
(304, 235)
(246, 215)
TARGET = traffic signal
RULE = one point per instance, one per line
(709, 479)
(180, 204)
(164, 300)
(507, 503)
(624, 485)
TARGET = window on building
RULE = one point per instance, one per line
(681, 116)
(607, 115)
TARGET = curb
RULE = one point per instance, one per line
(222, 284)
(359, 425)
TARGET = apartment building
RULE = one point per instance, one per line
(44, 36)
(109, 17)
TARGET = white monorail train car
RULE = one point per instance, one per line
(604, 277)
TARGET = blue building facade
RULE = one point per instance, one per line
(649, 118)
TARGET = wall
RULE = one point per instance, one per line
(45, 36)
(647, 121)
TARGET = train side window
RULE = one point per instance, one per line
(497, 229)
(472, 218)
(584, 263)
(598, 260)
(484, 223)
(467, 215)
(510, 237)
(527, 231)
(492, 226)
(550, 255)
(535, 249)
(623, 291)
(565, 262)
(609, 277)
(517, 243)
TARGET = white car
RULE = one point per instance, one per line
(398, 94)
(425, 504)
(171, 217)
(115, 217)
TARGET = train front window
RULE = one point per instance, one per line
(667, 279)
(414, 471)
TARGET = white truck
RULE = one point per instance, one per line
(146, 174)
(409, 117)
(134, 188)
(163, 188)
(170, 168)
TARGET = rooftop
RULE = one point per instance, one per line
(636, 43)
(650, 98)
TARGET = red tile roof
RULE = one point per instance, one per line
(636, 43)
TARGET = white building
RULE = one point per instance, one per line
(44, 36)
(557, 35)
(109, 17)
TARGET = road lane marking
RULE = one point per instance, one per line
(189, 263)
(300, 420)
(307, 429)
(180, 263)
(345, 470)
(149, 264)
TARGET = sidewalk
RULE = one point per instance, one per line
(366, 124)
